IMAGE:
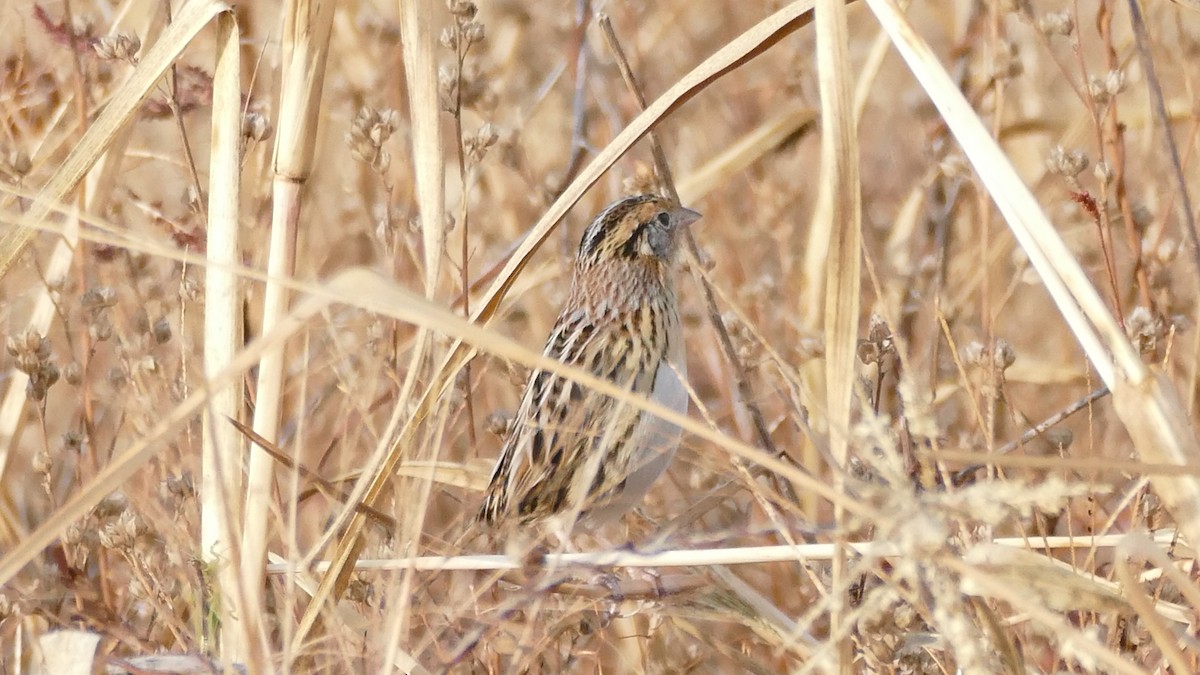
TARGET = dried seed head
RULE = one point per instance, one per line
(98, 298)
(100, 329)
(72, 441)
(478, 145)
(1067, 163)
(255, 127)
(119, 47)
(179, 488)
(973, 353)
(1145, 329)
(162, 331)
(473, 32)
(878, 346)
(112, 505)
(498, 424)
(1003, 355)
(1114, 82)
(1104, 87)
(1056, 23)
(370, 129)
(463, 10)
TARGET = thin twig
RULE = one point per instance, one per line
(462, 46)
(579, 144)
(1035, 431)
(1184, 205)
(326, 486)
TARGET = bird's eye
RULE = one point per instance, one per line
(664, 219)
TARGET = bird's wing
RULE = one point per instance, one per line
(569, 444)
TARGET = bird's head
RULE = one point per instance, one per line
(642, 228)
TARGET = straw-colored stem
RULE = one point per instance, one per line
(307, 27)
(222, 479)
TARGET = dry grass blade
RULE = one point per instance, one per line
(839, 213)
(1159, 427)
(192, 17)
(1159, 632)
(419, 38)
(428, 151)
(734, 159)
(1075, 640)
(222, 479)
(306, 31)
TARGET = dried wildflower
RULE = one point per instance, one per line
(1145, 329)
(498, 424)
(255, 127)
(473, 32)
(1114, 82)
(113, 505)
(448, 88)
(1104, 88)
(98, 298)
(161, 331)
(119, 47)
(100, 329)
(463, 10)
(360, 590)
(1066, 163)
(972, 353)
(1056, 23)
(878, 346)
(120, 534)
(32, 353)
(370, 129)
(1003, 355)
(475, 88)
(72, 441)
(478, 145)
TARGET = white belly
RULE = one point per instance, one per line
(655, 439)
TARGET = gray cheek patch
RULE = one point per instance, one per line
(660, 242)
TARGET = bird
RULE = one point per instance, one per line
(575, 455)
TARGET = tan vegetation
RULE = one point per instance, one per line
(349, 227)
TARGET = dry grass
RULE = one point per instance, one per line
(379, 430)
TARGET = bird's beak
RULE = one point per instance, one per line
(682, 217)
